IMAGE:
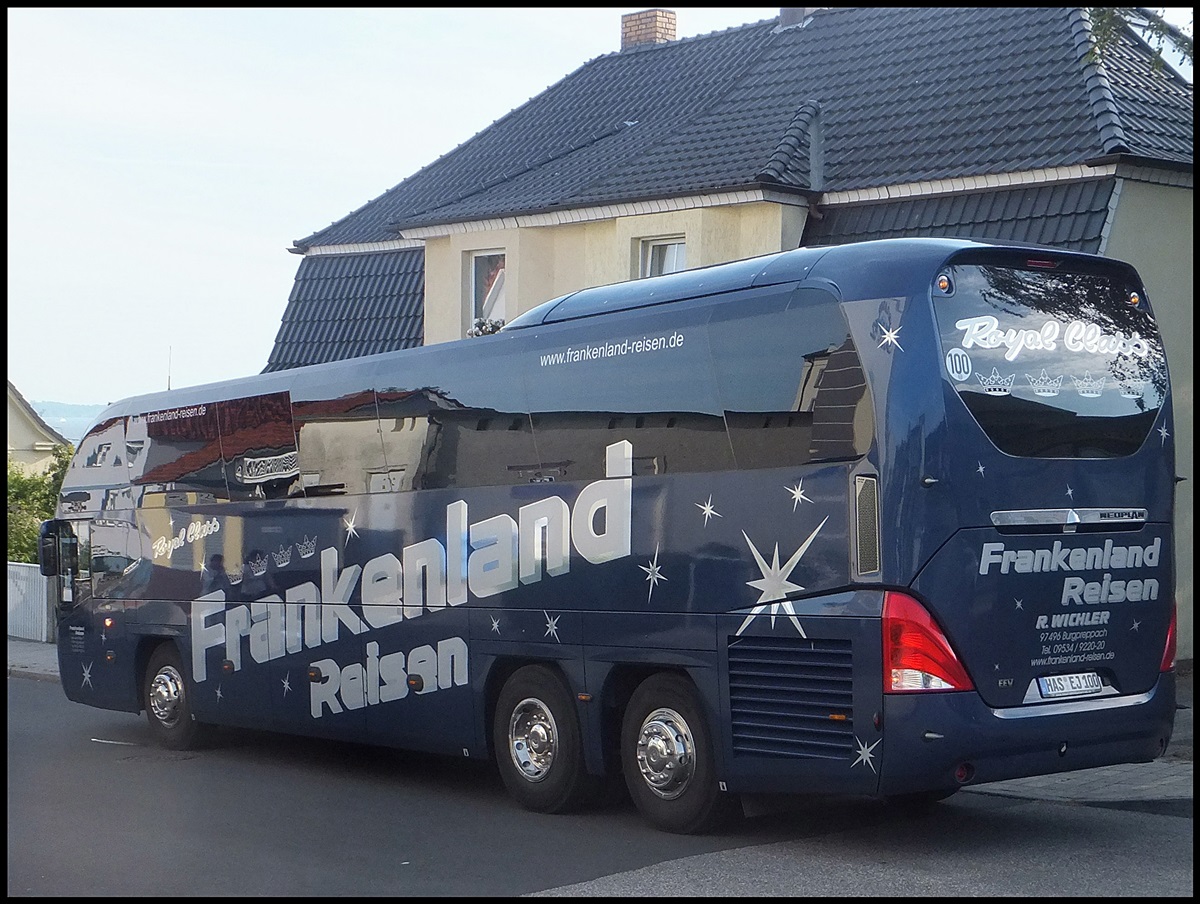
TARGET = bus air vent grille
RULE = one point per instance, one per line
(791, 697)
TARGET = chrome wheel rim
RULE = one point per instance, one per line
(666, 753)
(166, 696)
(532, 739)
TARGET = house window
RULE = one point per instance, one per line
(487, 286)
(663, 255)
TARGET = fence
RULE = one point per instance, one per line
(28, 604)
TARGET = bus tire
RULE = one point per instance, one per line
(166, 696)
(667, 757)
(539, 745)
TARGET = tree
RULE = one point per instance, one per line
(32, 499)
(1109, 21)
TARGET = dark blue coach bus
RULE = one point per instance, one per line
(884, 519)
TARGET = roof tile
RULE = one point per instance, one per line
(904, 95)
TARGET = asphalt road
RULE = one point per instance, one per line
(94, 810)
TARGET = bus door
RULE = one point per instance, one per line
(86, 654)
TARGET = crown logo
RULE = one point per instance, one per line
(283, 557)
(258, 566)
(307, 547)
(1133, 389)
(1087, 387)
(994, 384)
(235, 574)
(1043, 386)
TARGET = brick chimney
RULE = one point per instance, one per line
(789, 16)
(650, 26)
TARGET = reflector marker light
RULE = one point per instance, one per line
(1168, 660)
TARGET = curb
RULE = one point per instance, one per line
(21, 672)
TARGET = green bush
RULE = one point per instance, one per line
(31, 500)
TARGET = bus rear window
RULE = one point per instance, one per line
(1053, 359)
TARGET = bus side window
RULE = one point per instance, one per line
(645, 378)
(338, 442)
(790, 381)
(115, 548)
(458, 421)
(258, 446)
(97, 478)
(176, 450)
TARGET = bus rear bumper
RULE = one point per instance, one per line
(954, 740)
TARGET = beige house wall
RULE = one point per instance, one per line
(544, 262)
(28, 444)
(1152, 229)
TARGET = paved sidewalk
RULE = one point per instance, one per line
(1168, 778)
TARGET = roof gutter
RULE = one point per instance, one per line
(560, 215)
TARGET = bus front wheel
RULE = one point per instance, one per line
(667, 758)
(539, 745)
(167, 700)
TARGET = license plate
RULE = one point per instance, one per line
(1070, 685)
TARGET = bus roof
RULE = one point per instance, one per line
(892, 257)
(877, 268)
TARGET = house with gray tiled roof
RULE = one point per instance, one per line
(821, 126)
(842, 124)
(31, 441)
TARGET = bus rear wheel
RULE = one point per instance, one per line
(667, 757)
(539, 745)
(167, 699)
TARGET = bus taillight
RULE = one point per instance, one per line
(916, 654)
(1168, 660)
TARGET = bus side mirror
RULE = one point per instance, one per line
(48, 548)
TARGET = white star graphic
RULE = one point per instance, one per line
(220, 696)
(797, 494)
(708, 510)
(864, 754)
(103, 636)
(1162, 431)
(1070, 492)
(350, 529)
(889, 337)
(287, 685)
(980, 469)
(777, 610)
(774, 584)
(1018, 602)
(653, 574)
(1136, 624)
(87, 676)
(495, 624)
(551, 625)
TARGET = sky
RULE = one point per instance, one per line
(162, 161)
